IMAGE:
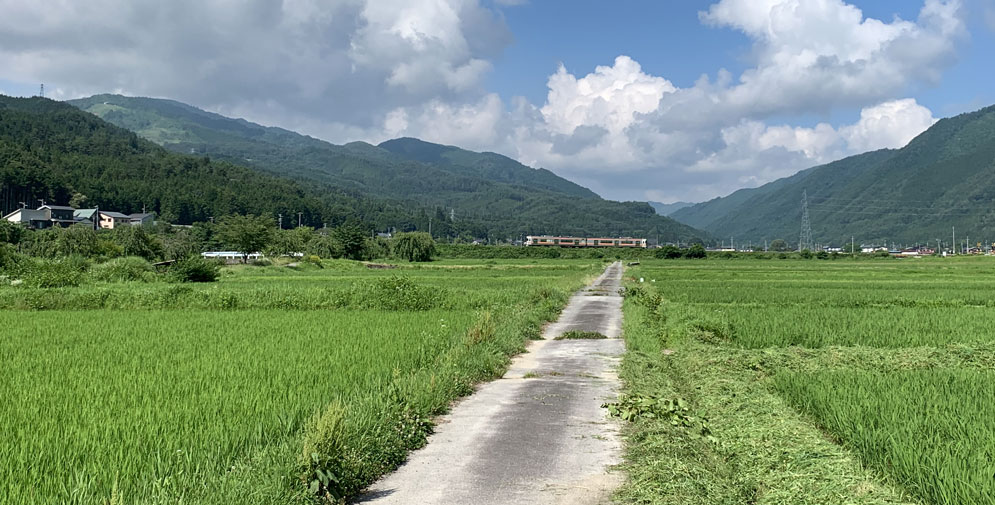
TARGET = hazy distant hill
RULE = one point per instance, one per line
(666, 209)
(944, 177)
(486, 193)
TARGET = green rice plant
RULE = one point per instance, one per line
(149, 393)
(929, 431)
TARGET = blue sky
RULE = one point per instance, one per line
(608, 94)
(668, 39)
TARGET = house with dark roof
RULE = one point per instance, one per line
(142, 219)
(32, 218)
(45, 216)
(110, 220)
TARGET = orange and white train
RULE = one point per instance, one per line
(549, 240)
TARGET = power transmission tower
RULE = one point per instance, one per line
(41, 91)
(805, 240)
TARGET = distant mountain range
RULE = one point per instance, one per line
(943, 178)
(666, 209)
(464, 192)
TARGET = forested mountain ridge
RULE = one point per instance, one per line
(53, 151)
(490, 166)
(472, 194)
(943, 178)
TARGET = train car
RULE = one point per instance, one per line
(616, 242)
(549, 240)
(556, 241)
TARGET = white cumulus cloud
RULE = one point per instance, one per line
(374, 69)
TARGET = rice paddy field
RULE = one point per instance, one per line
(274, 385)
(813, 381)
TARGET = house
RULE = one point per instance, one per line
(59, 215)
(31, 218)
(110, 220)
(88, 217)
(142, 219)
(45, 216)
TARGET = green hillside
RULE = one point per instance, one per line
(943, 178)
(53, 151)
(468, 194)
(490, 166)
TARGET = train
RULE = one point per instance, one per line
(549, 240)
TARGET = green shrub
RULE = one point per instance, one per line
(668, 252)
(127, 269)
(196, 269)
(696, 251)
(67, 272)
(314, 260)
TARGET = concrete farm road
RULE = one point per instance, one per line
(538, 435)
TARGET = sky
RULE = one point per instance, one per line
(638, 100)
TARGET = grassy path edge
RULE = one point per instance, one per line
(739, 442)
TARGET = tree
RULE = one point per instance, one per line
(779, 245)
(135, 241)
(245, 234)
(414, 246)
(668, 252)
(10, 232)
(352, 240)
(696, 252)
(78, 239)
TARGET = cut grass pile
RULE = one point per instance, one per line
(580, 335)
(239, 404)
(893, 359)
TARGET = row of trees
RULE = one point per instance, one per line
(243, 234)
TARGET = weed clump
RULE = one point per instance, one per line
(196, 269)
(127, 269)
(395, 293)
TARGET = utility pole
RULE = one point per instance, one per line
(953, 240)
(430, 226)
(852, 244)
(279, 221)
(765, 245)
(299, 215)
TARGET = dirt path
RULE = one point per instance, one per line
(536, 436)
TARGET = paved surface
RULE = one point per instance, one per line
(541, 439)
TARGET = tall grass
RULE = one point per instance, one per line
(930, 431)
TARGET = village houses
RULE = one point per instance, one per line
(48, 216)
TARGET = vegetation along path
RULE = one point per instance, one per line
(539, 434)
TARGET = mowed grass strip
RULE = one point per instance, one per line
(163, 402)
(930, 431)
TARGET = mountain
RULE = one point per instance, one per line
(490, 166)
(943, 178)
(466, 193)
(51, 150)
(666, 209)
